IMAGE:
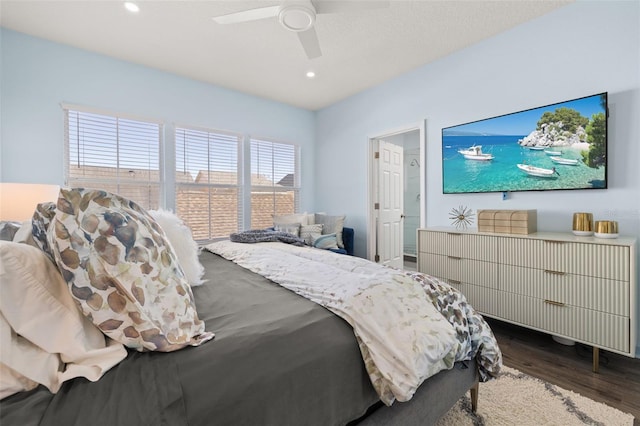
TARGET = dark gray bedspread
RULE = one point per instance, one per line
(277, 359)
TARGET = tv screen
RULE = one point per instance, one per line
(558, 146)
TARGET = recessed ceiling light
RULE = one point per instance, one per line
(311, 74)
(131, 7)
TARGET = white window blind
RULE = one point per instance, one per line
(275, 181)
(208, 184)
(113, 153)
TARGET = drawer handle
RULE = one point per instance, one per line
(454, 257)
(454, 233)
(549, 271)
(554, 241)
(455, 282)
(553, 302)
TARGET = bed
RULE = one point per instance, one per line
(277, 359)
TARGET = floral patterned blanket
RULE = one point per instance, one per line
(409, 326)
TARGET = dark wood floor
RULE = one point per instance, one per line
(570, 367)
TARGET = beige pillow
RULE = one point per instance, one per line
(301, 218)
(123, 272)
(44, 338)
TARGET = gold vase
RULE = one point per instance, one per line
(606, 229)
(583, 224)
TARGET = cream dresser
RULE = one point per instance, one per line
(579, 288)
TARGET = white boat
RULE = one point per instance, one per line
(537, 171)
(551, 152)
(475, 153)
(567, 161)
(536, 147)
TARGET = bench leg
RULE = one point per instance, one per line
(474, 396)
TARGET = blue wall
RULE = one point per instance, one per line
(38, 75)
(581, 49)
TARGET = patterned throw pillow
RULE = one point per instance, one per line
(122, 271)
(42, 217)
(332, 225)
(327, 241)
(309, 232)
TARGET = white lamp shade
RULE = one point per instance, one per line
(18, 201)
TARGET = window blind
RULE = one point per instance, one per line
(113, 153)
(275, 181)
(208, 183)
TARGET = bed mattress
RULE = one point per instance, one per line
(277, 359)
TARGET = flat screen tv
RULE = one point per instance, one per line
(557, 146)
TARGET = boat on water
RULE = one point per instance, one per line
(537, 171)
(475, 153)
(552, 152)
(566, 161)
(536, 147)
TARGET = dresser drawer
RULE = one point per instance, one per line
(597, 260)
(470, 246)
(593, 293)
(585, 325)
(482, 299)
(459, 269)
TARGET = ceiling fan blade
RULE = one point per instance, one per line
(310, 43)
(332, 6)
(248, 15)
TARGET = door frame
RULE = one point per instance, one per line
(372, 231)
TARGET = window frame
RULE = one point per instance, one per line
(273, 188)
(239, 186)
(118, 181)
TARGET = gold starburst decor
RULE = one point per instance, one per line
(461, 217)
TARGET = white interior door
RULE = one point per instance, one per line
(390, 204)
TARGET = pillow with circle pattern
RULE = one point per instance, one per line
(40, 222)
(122, 271)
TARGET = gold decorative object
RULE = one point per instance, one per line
(583, 224)
(606, 229)
(461, 217)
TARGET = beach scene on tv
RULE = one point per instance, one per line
(558, 146)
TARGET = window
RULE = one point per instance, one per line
(208, 183)
(275, 183)
(113, 153)
(224, 182)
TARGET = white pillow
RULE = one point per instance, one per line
(44, 338)
(185, 247)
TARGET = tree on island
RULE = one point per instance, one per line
(565, 119)
(596, 136)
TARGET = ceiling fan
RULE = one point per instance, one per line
(300, 16)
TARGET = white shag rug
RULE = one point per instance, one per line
(516, 398)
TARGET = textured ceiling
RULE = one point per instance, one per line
(360, 49)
